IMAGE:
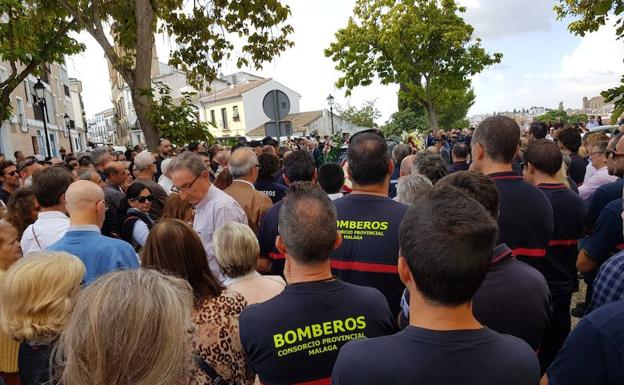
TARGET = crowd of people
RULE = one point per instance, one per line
(261, 263)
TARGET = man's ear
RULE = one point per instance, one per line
(279, 245)
(338, 240)
(286, 180)
(404, 271)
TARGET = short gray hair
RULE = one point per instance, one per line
(307, 223)
(143, 160)
(188, 161)
(98, 154)
(165, 165)
(242, 161)
(85, 175)
(411, 187)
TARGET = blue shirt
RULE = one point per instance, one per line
(98, 253)
(602, 196)
(609, 283)
(594, 351)
(606, 236)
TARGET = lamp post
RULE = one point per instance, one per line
(330, 101)
(40, 93)
(67, 120)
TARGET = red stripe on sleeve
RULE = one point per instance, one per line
(364, 266)
(322, 381)
(276, 256)
(529, 252)
(563, 242)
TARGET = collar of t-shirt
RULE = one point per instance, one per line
(244, 181)
(313, 287)
(51, 215)
(93, 228)
(506, 175)
(501, 252)
(552, 186)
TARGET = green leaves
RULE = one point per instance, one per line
(561, 116)
(424, 45)
(363, 117)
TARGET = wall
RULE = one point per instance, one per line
(252, 100)
(235, 128)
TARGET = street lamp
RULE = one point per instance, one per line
(67, 120)
(330, 101)
(40, 94)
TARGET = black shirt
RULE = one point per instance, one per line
(267, 233)
(458, 166)
(417, 356)
(525, 221)
(602, 197)
(369, 252)
(295, 337)
(577, 169)
(272, 189)
(559, 266)
(4, 195)
(34, 363)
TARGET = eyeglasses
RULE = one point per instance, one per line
(176, 189)
(142, 199)
(596, 152)
(614, 154)
(369, 131)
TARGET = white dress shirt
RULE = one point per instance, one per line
(166, 183)
(211, 213)
(49, 227)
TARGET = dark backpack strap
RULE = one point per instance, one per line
(210, 372)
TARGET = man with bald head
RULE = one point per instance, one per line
(406, 165)
(244, 167)
(86, 207)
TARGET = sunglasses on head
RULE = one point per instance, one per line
(141, 199)
(369, 131)
(26, 163)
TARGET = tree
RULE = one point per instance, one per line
(425, 46)
(554, 116)
(405, 121)
(453, 109)
(178, 121)
(363, 117)
(32, 35)
(591, 15)
(205, 33)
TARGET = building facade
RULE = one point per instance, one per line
(24, 130)
(102, 128)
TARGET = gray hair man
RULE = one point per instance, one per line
(412, 187)
(144, 170)
(213, 207)
(244, 167)
(100, 158)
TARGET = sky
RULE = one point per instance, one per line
(543, 64)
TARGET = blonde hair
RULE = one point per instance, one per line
(37, 295)
(236, 249)
(131, 327)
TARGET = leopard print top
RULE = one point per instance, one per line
(217, 340)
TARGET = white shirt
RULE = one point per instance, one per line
(211, 213)
(589, 171)
(49, 228)
(166, 183)
(335, 196)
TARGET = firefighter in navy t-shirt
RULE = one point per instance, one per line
(542, 161)
(294, 338)
(369, 221)
(444, 343)
(526, 217)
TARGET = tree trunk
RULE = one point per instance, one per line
(143, 71)
(433, 117)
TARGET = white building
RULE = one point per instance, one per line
(77, 123)
(102, 128)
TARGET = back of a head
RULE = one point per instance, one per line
(50, 184)
(299, 166)
(308, 210)
(143, 160)
(82, 193)
(269, 164)
(331, 177)
(411, 187)
(236, 249)
(99, 156)
(37, 295)
(120, 334)
(477, 186)
(399, 152)
(431, 166)
(173, 247)
(368, 159)
(539, 130)
(500, 137)
(570, 137)
(544, 155)
(188, 161)
(176, 207)
(242, 162)
(461, 150)
(454, 233)
(164, 165)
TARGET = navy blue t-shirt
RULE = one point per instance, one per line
(606, 237)
(417, 356)
(267, 233)
(394, 180)
(559, 266)
(369, 252)
(272, 189)
(594, 351)
(295, 337)
(458, 166)
(526, 218)
(577, 169)
(602, 197)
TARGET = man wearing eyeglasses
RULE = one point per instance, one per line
(9, 179)
(213, 207)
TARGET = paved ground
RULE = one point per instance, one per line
(576, 298)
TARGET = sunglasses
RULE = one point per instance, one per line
(141, 199)
(369, 131)
(26, 163)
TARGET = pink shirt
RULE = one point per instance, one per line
(597, 179)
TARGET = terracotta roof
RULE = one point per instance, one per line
(300, 122)
(238, 90)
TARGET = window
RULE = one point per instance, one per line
(224, 118)
(213, 120)
(21, 112)
(27, 91)
(235, 115)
